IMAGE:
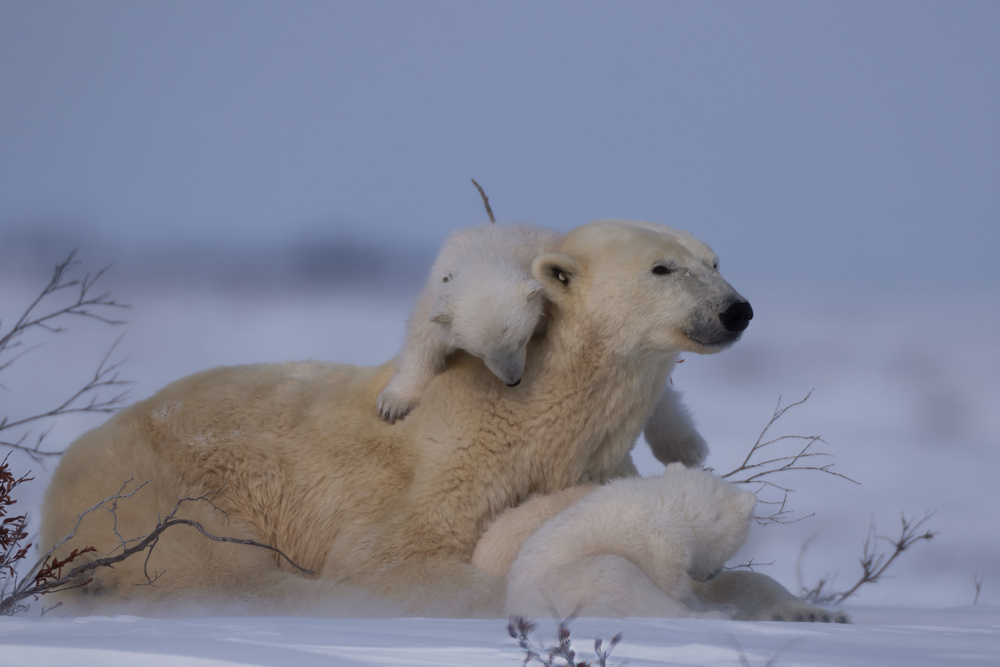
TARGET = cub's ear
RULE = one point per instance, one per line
(533, 287)
(557, 271)
(441, 312)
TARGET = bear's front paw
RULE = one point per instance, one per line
(797, 611)
(689, 449)
(392, 407)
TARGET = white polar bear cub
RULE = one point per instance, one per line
(480, 298)
(630, 547)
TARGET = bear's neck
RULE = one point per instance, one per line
(573, 419)
(599, 395)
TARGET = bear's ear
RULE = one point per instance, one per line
(441, 312)
(556, 271)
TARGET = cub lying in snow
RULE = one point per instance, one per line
(628, 548)
(636, 546)
(481, 298)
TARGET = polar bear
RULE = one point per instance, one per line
(292, 455)
(630, 547)
(480, 298)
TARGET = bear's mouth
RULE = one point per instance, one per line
(715, 343)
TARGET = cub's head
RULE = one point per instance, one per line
(643, 287)
(493, 317)
(719, 514)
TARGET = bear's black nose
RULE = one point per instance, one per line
(737, 317)
(514, 384)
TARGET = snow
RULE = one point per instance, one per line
(966, 636)
(907, 413)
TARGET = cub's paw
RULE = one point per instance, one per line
(392, 407)
(797, 611)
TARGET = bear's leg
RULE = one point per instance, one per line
(671, 434)
(757, 597)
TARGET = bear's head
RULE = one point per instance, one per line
(644, 287)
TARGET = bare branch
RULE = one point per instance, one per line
(874, 563)
(486, 201)
(39, 316)
(83, 306)
(756, 468)
(47, 576)
(749, 565)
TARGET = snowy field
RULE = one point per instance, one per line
(904, 393)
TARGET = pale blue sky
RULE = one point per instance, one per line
(812, 144)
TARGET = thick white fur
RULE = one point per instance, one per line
(480, 298)
(293, 455)
(629, 547)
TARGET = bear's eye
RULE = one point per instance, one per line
(662, 270)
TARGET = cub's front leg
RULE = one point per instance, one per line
(423, 356)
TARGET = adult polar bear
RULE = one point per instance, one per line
(295, 456)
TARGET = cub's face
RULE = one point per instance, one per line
(644, 287)
(494, 321)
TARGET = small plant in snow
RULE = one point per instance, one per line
(561, 654)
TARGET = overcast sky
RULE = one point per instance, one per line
(815, 145)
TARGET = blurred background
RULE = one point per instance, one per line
(271, 181)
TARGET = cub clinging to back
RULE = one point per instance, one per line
(480, 298)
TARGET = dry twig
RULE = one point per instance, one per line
(753, 470)
(46, 575)
(874, 563)
(977, 579)
(486, 201)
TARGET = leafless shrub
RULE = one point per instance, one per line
(762, 464)
(62, 299)
(48, 574)
(977, 579)
(13, 529)
(520, 630)
(874, 562)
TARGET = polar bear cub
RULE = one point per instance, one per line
(628, 548)
(480, 298)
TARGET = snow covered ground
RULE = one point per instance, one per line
(959, 637)
(904, 392)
